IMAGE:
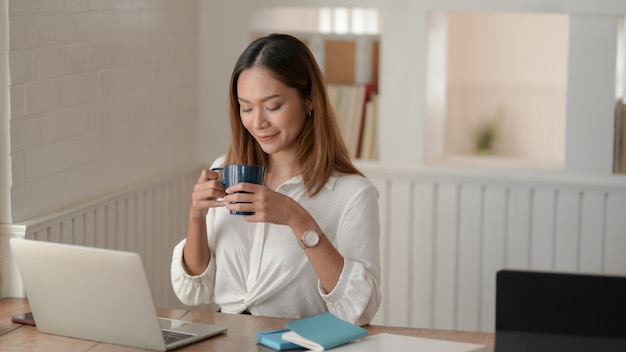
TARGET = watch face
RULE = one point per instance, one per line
(310, 238)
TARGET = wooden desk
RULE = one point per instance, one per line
(241, 334)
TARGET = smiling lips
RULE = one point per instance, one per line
(266, 138)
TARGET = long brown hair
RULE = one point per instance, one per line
(321, 150)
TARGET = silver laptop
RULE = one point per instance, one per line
(98, 294)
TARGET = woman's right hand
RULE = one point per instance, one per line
(207, 193)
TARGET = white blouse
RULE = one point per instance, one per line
(260, 267)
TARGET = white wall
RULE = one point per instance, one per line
(592, 93)
(103, 95)
(5, 164)
(286, 19)
(224, 31)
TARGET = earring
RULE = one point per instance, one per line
(309, 114)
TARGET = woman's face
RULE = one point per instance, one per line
(271, 111)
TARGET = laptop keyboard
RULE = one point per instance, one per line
(174, 336)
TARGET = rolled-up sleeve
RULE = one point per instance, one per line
(356, 297)
(191, 290)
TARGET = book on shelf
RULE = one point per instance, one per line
(364, 96)
(350, 103)
(368, 141)
(355, 124)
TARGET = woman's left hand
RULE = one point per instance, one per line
(267, 204)
(276, 208)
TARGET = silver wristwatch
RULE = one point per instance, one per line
(310, 238)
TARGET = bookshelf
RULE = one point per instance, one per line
(350, 64)
(355, 109)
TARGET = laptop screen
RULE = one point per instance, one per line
(548, 309)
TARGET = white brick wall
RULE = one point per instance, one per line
(103, 95)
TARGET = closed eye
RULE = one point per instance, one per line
(274, 108)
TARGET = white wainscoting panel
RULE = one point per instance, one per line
(148, 219)
(444, 236)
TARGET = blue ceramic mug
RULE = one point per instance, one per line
(234, 174)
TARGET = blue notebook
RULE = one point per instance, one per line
(273, 339)
(322, 332)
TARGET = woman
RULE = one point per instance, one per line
(312, 244)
